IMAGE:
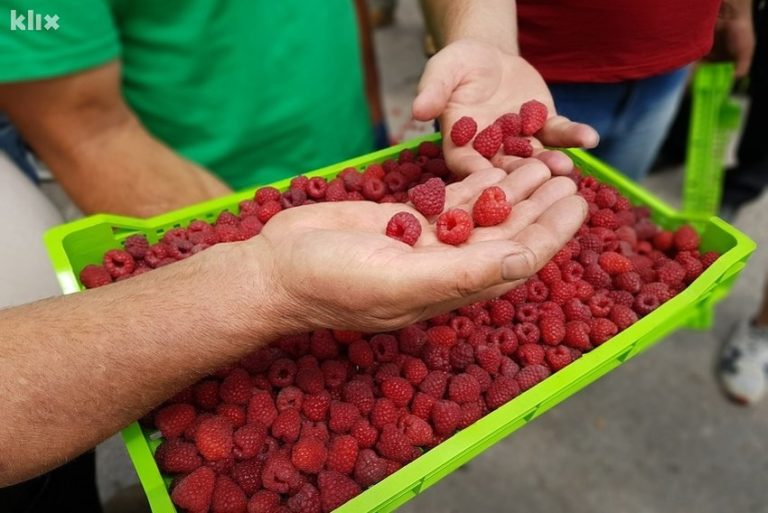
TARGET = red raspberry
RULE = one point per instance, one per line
(282, 372)
(386, 370)
(614, 263)
(310, 379)
(443, 336)
(533, 116)
(527, 333)
(601, 329)
(575, 310)
(236, 387)
(227, 496)
(537, 291)
(315, 406)
(531, 375)
(174, 419)
(261, 408)
(177, 457)
(359, 393)
(517, 146)
(365, 434)
(454, 226)
(463, 130)
(505, 339)
(501, 311)
(488, 141)
(404, 227)
(528, 313)
(369, 468)
(309, 456)
(316, 188)
(463, 326)
(550, 273)
(658, 289)
(530, 354)
(265, 194)
(577, 335)
(314, 431)
(558, 357)
(422, 405)
(551, 309)
(93, 276)
(429, 149)
(692, 265)
(488, 357)
(502, 390)
(435, 384)
(621, 297)
(629, 281)
(663, 240)
(289, 397)
(323, 345)
(552, 330)
(708, 258)
(249, 440)
(410, 171)
(279, 474)
(436, 167)
(600, 305)
(645, 303)
(416, 430)
(395, 181)
(517, 296)
(384, 412)
(686, 238)
(622, 316)
(471, 412)
(463, 388)
(346, 337)
(213, 438)
(429, 197)
(384, 347)
(374, 189)
(604, 218)
(136, 246)
(342, 416)
(193, 492)
(436, 357)
(335, 489)
(509, 123)
(561, 292)
(597, 277)
(287, 426)
(233, 412)
(306, 500)
(671, 273)
(268, 210)
(411, 339)
(491, 208)
(415, 370)
(264, 501)
(445, 417)
(342, 454)
(606, 197)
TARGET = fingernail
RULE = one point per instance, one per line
(515, 267)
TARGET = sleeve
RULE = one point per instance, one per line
(48, 38)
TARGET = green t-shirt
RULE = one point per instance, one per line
(254, 90)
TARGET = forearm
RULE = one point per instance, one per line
(490, 21)
(76, 369)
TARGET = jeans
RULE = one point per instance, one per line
(631, 117)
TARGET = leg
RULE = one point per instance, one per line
(594, 104)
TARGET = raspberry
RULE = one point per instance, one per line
(552, 330)
(213, 438)
(597, 277)
(561, 292)
(488, 357)
(416, 430)
(488, 141)
(429, 197)
(517, 296)
(600, 305)
(435, 384)
(530, 354)
(365, 434)
(533, 115)
(502, 390)
(404, 227)
(606, 197)
(411, 340)
(279, 474)
(462, 354)
(663, 240)
(528, 313)
(527, 333)
(249, 440)
(614, 263)
(227, 496)
(645, 303)
(414, 370)
(575, 310)
(309, 456)
(335, 489)
(509, 123)
(454, 226)
(505, 339)
(692, 265)
(174, 419)
(537, 291)
(314, 431)
(550, 273)
(443, 336)
(658, 289)
(436, 167)
(342, 416)
(601, 329)
(463, 130)
(463, 388)
(236, 387)
(289, 397)
(287, 426)
(671, 273)
(429, 149)
(558, 357)
(709, 258)
(531, 375)
(360, 394)
(686, 238)
(393, 444)
(193, 492)
(491, 208)
(517, 146)
(577, 335)
(306, 500)
(421, 406)
(445, 417)
(369, 468)
(310, 379)
(629, 281)
(234, 413)
(622, 316)
(384, 347)
(268, 210)
(264, 501)
(604, 218)
(261, 408)
(177, 457)
(436, 357)
(386, 370)
(342, 454)
(463, 326)
(292, 198)
(247, 474)
(384, 412)
(93, 276)
(265, 194)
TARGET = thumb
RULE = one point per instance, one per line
(440, 78)
(561, 132)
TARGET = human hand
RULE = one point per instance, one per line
(330, 265)
(734, 37)
(471, 78)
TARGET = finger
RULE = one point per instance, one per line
(557, 161)
(460, 193)
(440, 78)
(561, 132)
(517, 186)
(526, 212)
(465, 160)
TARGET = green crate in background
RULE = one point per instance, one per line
(714, 119)
(74, 245)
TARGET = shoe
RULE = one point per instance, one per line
(743, 363)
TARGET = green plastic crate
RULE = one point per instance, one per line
(714, 119)
(76, 244)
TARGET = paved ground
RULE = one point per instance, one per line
(653, 436)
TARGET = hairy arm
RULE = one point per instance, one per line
(97, 148)
(490, 21)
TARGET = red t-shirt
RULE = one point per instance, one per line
(613, 40)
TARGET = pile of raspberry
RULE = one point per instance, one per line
(310, 421)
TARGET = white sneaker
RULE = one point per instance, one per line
(743, 364)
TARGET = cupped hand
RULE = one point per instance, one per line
(471, 78)
(331, 265)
